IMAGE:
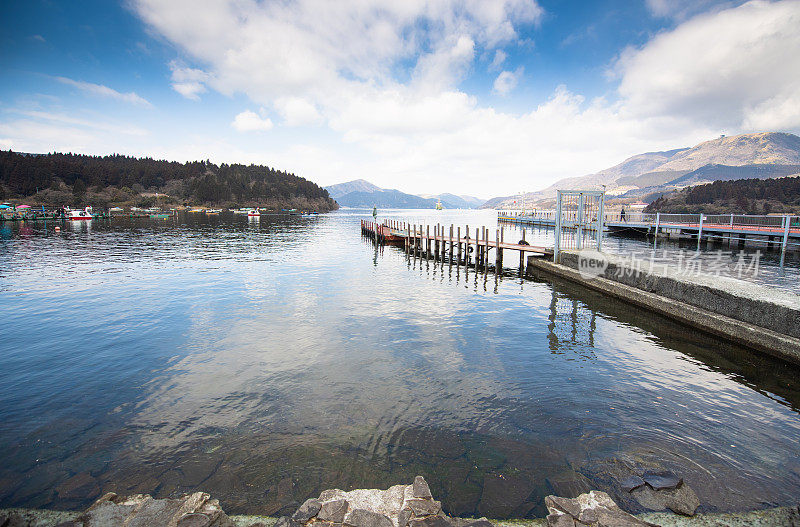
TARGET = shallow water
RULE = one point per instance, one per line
(264, 361)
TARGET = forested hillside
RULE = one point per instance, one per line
(743, 196)
(73, 179)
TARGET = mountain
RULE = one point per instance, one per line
(385, 199)
(452, 201)
(361, 193)
(357, 185)
(764, 155)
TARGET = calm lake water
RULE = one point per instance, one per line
(264, 361)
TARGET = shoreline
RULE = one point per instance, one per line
(775, 516)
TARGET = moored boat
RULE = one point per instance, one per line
(253, 213)
(78, 215)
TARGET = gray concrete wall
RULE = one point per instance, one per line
(750, 303)
(668, 299)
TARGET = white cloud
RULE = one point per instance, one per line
(189, 82)
(105, 91)
(6, 144)
(297, 111)
(507, 81)
(734, 69)
(498, 60)
(385, 75)
(248, 121)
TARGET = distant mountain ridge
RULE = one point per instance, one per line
(759, 155)
(357, 185)
(360, 193)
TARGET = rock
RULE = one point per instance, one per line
(560, 519)
(403, 517)
(190, 510)
(285, 521)
(365, 518)
(662, 481)
(631, 483)
(333, 511)
(194, 519)
(682, 500)
(568, 505)
(420, 488)
(431, 521)
(12, 519)
(422, 508)
(307, 510)
(594, 508)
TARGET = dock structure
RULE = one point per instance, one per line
(448, 244)
(775, 231)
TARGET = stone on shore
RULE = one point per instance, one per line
(420, 488)
(595, 509)
(398, 506)
(140, 510)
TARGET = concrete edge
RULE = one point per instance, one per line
(778, 516)
(743, 333)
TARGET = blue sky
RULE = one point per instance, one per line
(475, 97)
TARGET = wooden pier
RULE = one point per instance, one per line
(452, 244)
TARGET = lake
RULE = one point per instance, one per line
(266, 360)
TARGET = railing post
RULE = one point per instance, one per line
(655, 234)
(557, 245)
(601, 225)
(700, 232)
(579, 219)
(788, 221)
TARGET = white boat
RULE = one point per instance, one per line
(79, 215)
(213, 211)
(253, 213)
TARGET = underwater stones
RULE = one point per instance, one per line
(333, 511)
(78, 487)
(631, 483)
(662, 481)
(307, 510)
(365, 518)
(681, 500)
(594, 508)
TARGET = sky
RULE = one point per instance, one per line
(477, 97)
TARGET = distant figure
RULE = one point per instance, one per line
(375, 213)
(622, 214)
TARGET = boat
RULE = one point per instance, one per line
(439, 205)
(161, 215)
(253, 213)
(197, 209)
(213, 211)
(78, 215)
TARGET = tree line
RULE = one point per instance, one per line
(118, 178)
(742, 196)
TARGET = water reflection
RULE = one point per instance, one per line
(266, 361)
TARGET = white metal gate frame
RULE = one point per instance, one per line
(579, 220)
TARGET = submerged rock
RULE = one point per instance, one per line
(662, 481)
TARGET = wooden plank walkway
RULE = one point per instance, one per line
(451, 243)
